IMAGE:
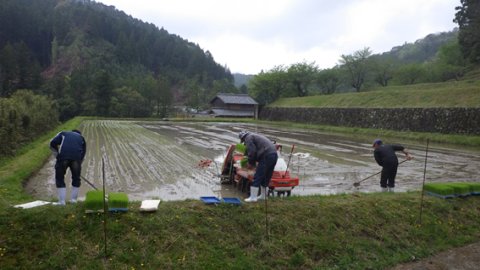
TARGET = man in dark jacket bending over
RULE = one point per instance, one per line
(69, 148)
(385, 156)
(260, 149)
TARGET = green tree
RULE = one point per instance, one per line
(383, 69)
(23, 117)
(467, 17)
(103, 89)
(163, 97)
(9, 70)
(243, 89)
(127, 102)
(449, 63)
(329, 80)
(301, 75)
(266, 87)
(357, 67)
(410, 73)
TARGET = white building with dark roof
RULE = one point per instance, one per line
(233, 105)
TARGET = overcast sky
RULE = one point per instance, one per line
(248, 36)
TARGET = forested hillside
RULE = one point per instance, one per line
(422, 50)
(95, 60)
(72, 57)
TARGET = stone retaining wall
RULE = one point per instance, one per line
(441, 120)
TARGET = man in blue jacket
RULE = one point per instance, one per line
(69, 148)
(262, 150)
(385, 156)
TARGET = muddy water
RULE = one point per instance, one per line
(160, 160)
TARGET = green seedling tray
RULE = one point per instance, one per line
(94, 200)
(240, 147)
(474, 188)
(243, 162)
(440, 189)
(460, 189)
(117, 201)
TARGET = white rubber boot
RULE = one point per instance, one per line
(74, 195)
(62, 193)
(263, 193)
(384, 189)
(391, 189)
(253, 195)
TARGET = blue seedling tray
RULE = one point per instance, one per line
(232, 201)
(210, 200)
(440, 195)
(117, 210)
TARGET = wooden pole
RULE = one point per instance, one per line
(423, 184)
(104, 209)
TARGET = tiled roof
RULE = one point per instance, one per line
(228, 98)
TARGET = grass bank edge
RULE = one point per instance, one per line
(307, 232)
(16, 170)
(461, 94)
(370, 134)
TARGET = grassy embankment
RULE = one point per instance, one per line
(364, 231)
(464, 94)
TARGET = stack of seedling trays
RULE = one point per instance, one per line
(214, 200)
(452, 190)
(117, 202)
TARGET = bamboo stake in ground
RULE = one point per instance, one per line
(423, 184)
(104, 209)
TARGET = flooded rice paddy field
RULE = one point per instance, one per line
(159, 160)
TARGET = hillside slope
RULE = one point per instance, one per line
(96, 60)
(464, 93)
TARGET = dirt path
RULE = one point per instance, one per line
(462, 258)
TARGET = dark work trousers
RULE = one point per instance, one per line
(61, 168)
(387, 178)
(264, 170)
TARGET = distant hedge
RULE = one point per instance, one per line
(23, 117)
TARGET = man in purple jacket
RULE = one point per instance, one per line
(69, 148)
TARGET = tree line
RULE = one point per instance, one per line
(357, 72)
(436, 58)
(92, 59)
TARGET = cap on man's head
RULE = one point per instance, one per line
(377, 141)
(242, 135)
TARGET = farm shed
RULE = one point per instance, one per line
(233, 105)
